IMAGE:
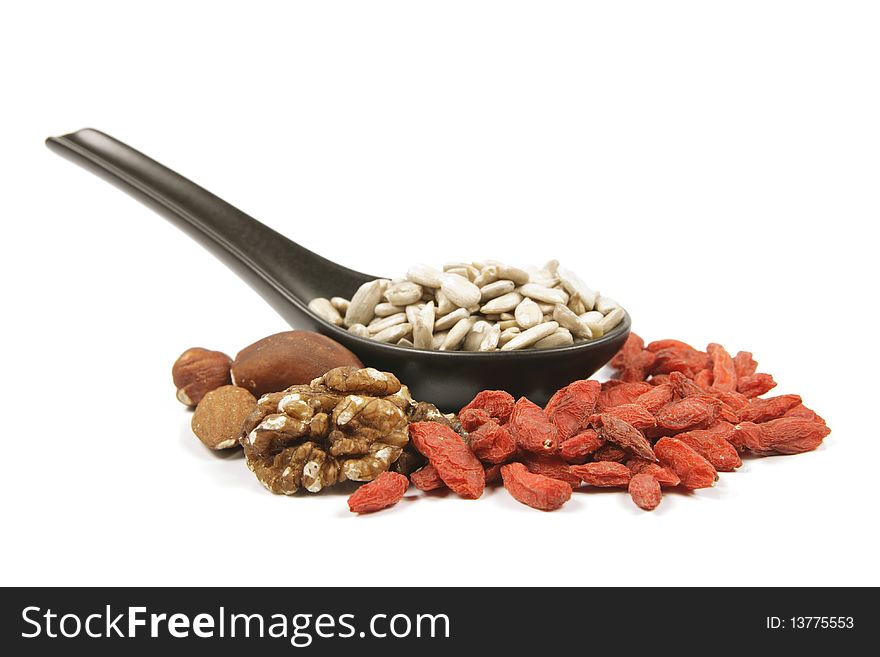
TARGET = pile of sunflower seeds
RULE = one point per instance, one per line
(475, 306)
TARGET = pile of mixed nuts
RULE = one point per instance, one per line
(309, 415)
(475, 306)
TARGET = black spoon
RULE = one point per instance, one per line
(288, 276)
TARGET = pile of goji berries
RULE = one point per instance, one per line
(674, 416)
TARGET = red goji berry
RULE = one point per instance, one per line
(693, 470)
(664, 476)
(631, 348)
(455, 462)
(657, 345)
(713, 447)
(744, 364)
(634, 414)
(803, 412)
(723, 371)
(385, 490)
(570, 408)
(610, 452)
(656, 398)
(762, 410)
(755, 385)
(492, 443)
(604, 474)
(615, 393)
(497, 403)
(473, 418)
(704, 379)
(624, 435)
(534, 490)
(785, 435)
(579, 447)
(493, 473)
(645, 491)
(689, 413)
(531, 429)
(427, 478)
(550, 466)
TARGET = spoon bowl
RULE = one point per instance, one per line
(288, 276)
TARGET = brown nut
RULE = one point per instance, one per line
(199, 371)
(219, 416)
(286, 359)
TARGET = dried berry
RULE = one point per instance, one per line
(755, 385)
(570, 408)
(723, 371)
(550, 466)
(615, 393)
(656, 398)
(473, 418)
(579, 447)
(689, 413)
(704, 379)
(744, 364)
(664, 476)
(497, 403)
(803, 412)
(385, 490)
(493, 473)
(624, 435)
(634, 414)
(427, 478)
(610, 452)
(492, 443)
(693, 470)
(785, 435)
(604, 474)
(762, 410)
(531, 429)
(645, 491)
(713, 447)
(455, 462)
(534, 490)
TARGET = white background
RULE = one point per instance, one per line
(713, 166)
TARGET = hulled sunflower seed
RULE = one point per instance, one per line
(567, 319)
(490, 338)
(404, 342)
(504, 303)
(360, 330)
(542, 293)
(393, 333)
(449, 320)
(612, 319)
(528, 314)
(561, 337)
(444, 305)
(380, 324)
(606, 304)
(591, 317)
(387, 309)
(474, 338)
(363, 303)
(404, 293)
(508, 323)
(508, 334)
(437, 340)
(340, 304)
(424, 275)
(325, 309)
(518, 276)
(573, 284)
(412, 311)
(496, 289)
(456, 335)
(529, 337)
(423, 327)
(489, 274)
(459, 290)
(576, 305)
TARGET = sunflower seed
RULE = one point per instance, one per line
(386, 309)
(475, 338)
(404, 293)
(360, 330)
(424, 275)
(449, 320)
(542, 293)
(490, 339)
(456, 335)
(444, 305)
(379, 325)
(403, 342)
(591, 317)
(561, 337)
(459, 290)
(423, 327)
(504, 303)
(527, 314)
(437, 340)
(573, 284)
(340, 304)
(393, 333)
(496, 289)
(567, 319)
(606, 304)
(489, 274)
(363, 303)
(529, 337)
(518, 276)
(508, 334)
(325, 309)
(508, 323)
(612, 319)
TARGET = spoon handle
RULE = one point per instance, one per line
(286, 274)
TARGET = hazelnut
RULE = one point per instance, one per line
(286, 359)
(219, 416)
(199, 371)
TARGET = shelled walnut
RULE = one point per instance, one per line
(349, 424)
